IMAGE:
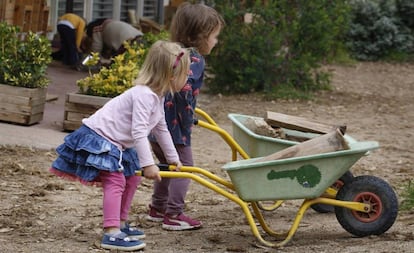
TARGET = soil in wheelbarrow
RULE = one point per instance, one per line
(41, 213)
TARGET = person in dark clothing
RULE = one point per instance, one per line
(71, 29)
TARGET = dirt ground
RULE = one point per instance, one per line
(42, 213)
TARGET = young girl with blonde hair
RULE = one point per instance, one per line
(112, 144)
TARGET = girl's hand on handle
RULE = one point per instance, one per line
(152, 172)
(178, 165)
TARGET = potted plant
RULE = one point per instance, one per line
(98, 88)
(23, 82)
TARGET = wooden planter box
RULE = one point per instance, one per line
(22, 105)
(78, 107)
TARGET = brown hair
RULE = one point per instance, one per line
(164, 61)
(192, 24)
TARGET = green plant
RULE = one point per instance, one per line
(112, 81)
(405, 10)
(284, 45)
(377, 31)
(23, 62)
(119, 76)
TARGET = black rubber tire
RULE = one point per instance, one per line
(372, 190)
(346, 178)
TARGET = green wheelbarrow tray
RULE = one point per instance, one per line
(259, 145)
(303, 177)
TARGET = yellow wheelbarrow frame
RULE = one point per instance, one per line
(227, 189)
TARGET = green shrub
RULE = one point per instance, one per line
(376, 31)
(119, 76)
(285, 44)
(23, 62)
(112, 81)
(405, 10)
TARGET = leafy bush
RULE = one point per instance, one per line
(112, 81)
(376, 30)
(405, 10)
(119, 76)
(23, 62)
(284, 45)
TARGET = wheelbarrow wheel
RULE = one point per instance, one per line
(346, 178)
(375, 192)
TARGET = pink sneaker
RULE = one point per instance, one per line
(180, 222)
(154, 215)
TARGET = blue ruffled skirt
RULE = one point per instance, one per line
(84, 153)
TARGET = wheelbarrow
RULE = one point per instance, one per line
(256, 145)
(247, 144)
(366, 206)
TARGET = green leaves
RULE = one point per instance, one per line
(284, 45)
(119, 76)
(23, 63)
(380, 28)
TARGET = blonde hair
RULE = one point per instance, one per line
(192, 24)
(164, 62)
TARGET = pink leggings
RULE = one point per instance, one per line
(118, 192)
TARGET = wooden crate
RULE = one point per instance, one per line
(78, 107)
(22, 105)
(39, 16)
(43, 20)
(7, 11)
(23, 16)
(31, 15)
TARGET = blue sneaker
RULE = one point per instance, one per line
(133, 233)
(121, 241)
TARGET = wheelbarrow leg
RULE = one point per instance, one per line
(309, 202)
(263, 224)
(290, 233)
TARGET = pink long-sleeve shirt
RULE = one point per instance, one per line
(128, 119)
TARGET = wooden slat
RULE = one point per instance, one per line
(76, 116)
(86, 100)
(12, 117)
(20, 100)
(21, 118)
(7, 98)
(298, 123)
(325, 143)
(71, 125)
(22, 109)
(21, 91)
(87, 109)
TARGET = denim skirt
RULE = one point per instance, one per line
(84, 153)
